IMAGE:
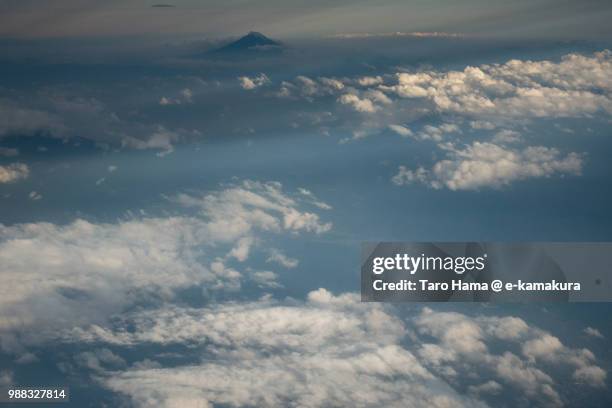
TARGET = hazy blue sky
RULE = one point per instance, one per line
(523, 18)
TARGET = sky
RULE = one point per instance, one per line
(522, 18)
(181, 227)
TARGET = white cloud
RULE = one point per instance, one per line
(363, 105)
(313, 199)
(592, 332)
(464, 344)
(437, 133)
(377, 96)
(335, 350)
(327, 351)
(401, 130)
(242, 248)
(308, 86)
(278, 257)
(265, 279)
(370, 81)
(590, 375)
(99, 360)
(13, 172)
(483, 164)
(250, 83)
(82, 272)
(576, 86)
(332, 83)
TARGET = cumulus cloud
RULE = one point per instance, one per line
(437, 133)
(82, 272)
(303, 87)
(327, 351)
(250, 83)
(464, 343)
(576, 86)
(484, 164)
(332, 83)
(363, 105)
(13, 172)
(335, 350)
(370, 81)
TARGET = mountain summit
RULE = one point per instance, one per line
(253, 41)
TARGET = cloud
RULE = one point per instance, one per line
(327, 351)
(482, 124)
(506, 136)
(82, 272)
(592, 332)
(485, 165)
(35, 196)
(185, 96)
(313, 199)
(265, 279)
(463, 345)
(437, 133)
(254, 82)
(576, 86)
(370, 81)
(401, 130)
(161, 139)
(417, 34)
(14, 172)
(278, 257)
(99, 360)
(489, 387)
(309, 88)
(332, 83)
(363, 105)
(334, 350)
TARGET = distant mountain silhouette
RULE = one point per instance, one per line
(252, 42)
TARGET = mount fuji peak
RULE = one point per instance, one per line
(253, 41)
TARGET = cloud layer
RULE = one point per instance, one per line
(82, 272)
(335, 350)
